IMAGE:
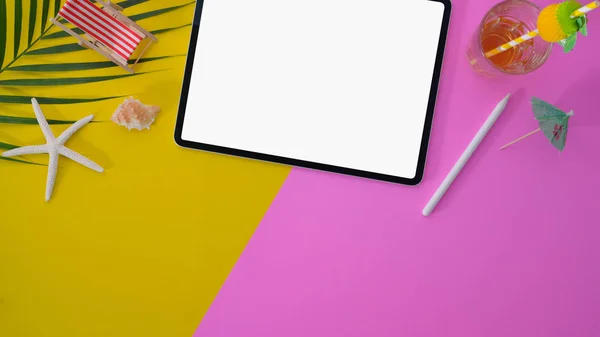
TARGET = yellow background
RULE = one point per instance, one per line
(141, 249)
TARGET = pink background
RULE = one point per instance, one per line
(512, 250)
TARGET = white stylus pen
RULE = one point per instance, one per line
(465, 156)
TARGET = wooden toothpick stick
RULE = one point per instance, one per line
(519, 139)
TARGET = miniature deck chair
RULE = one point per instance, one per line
(107, 30)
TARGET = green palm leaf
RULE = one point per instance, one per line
(56, 7)
(130, 3)
(32, 20)
(150, 14)
(124, 4)
(137, 17)
(40, 82)
(146, 15)
(63, 48)
(69, 47)
(2, 31)
(61, 33)
(164, 30)
(79, 31)
(5, 146)
(18, 23)
(37, 25)
(18, 161)
(52, 67)
(28, 121)
(45, 10)
(51, 100)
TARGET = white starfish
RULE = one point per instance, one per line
(54, 146)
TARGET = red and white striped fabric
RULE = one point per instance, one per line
(119, 38)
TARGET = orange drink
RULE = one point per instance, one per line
(503, 23)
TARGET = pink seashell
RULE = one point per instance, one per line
(133, 114)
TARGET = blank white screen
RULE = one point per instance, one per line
(338, 82)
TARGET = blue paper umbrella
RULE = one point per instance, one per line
(553, 122)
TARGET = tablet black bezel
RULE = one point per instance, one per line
(307, 164)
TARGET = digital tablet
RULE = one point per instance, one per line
(345, 86)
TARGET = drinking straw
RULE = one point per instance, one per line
(581, 11)
(511, 44)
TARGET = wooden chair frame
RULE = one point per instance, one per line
(115, 11)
